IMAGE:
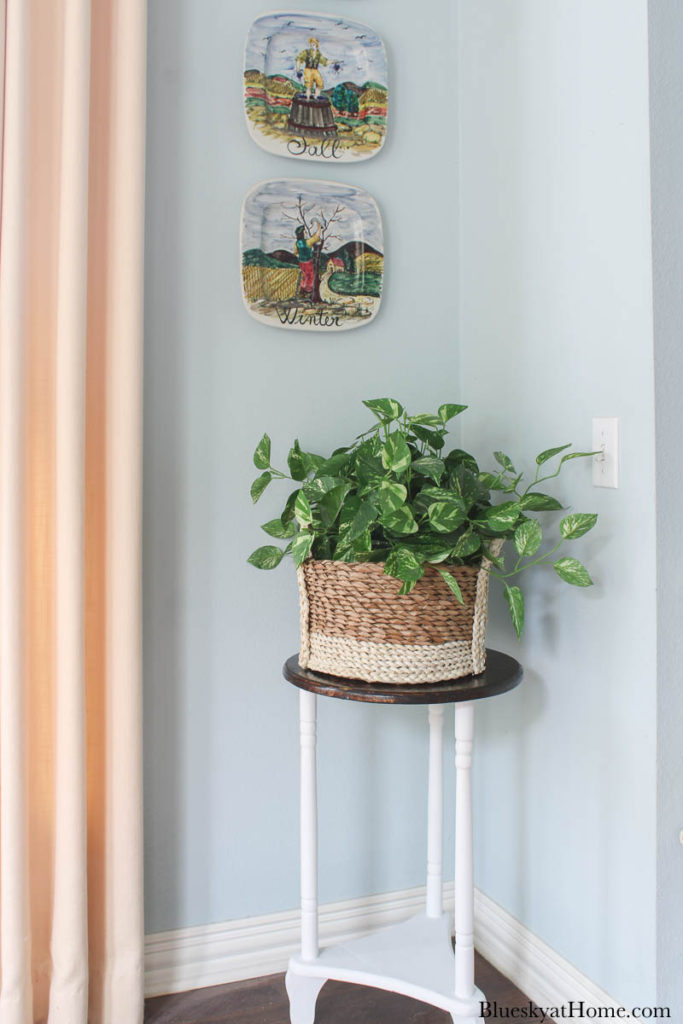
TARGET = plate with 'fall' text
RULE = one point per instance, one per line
(315, 87)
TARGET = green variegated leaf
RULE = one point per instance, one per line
(368, 464)
(330, 504)
(396, 453)
(505, 461)
(391, 495)
(314, 489)
(262, 453)
(364, 517)
(577, 455)
(312, 463)
(322, 547)
(426, 419)
(433, 553)
(433, 438)
(259, 485)
(288, 511)
(453, 584)
(267, 557)
(528, 537)
(362, 544)
(403, 564)
(431, 466)
(571, 571)
(502, 517)
(344, 554)
(384, 408)
(467, 544)
(445, 516)
(335, 463)
(550, 452)
(458, 457)
(355, 551)
(539, 503)
(348, 512)
(441, 495)
(301, 547)
(466, 484)
(276, 528)
(295, 461)
(576, 525)
(515, 600)
(302, 510)
(406, 587)
(448, 410)
(401, 521)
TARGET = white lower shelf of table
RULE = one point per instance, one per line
(414, 958)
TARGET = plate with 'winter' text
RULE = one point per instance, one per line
(312, 255)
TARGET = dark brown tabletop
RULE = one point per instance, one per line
(502, 673)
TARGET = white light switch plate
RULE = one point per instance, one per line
(606, 441)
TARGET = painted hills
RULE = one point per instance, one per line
(277, 92)
(356, 256)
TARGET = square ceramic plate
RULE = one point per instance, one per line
(312, 255)
(315, 87)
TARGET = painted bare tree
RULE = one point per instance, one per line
(316, 221)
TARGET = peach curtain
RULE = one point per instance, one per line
(72, 105)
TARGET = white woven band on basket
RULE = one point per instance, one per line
(304, 620)
(397, 663)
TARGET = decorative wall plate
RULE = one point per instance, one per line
(315, 87)
(312, 255)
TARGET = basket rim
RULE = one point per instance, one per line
(427, 565)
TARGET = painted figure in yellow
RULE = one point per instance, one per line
(310, 60)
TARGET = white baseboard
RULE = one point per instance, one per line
(536, 969)
(215, 954)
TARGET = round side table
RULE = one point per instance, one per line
(413, 957)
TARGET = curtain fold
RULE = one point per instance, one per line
(72, 125)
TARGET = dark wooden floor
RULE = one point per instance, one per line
(264, 1001)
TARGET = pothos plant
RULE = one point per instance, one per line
(394, 496)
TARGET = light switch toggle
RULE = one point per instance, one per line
(606, 443)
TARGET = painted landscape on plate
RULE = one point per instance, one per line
(312, 255)
(315, 87)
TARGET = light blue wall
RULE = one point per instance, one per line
(556, 329)
(221, 743)
(544, 322)
(666, 88)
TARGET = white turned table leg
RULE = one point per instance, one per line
(464, 856)
(309, 827)
(435, 813)
(302, 993)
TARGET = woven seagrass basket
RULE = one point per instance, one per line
(355, 624)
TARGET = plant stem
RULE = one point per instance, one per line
(518, 569)
(542, 479)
